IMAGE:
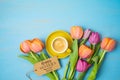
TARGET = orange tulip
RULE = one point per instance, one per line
(76, 32)
(25, 46)
(85, 51)
(108, 44)
(36, 45)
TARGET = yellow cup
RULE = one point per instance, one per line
(60, 45)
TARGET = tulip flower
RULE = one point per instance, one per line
(82, 65)
(108, 44)
(76, 32)
(85, 51)
(32, 47)
(94, 38)
(86, 33)
(36, 45)
(85, 36)
(25, 46)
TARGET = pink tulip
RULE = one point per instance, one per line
(94, 38)
(25, 46)
(86, 33)
(36, 45)
(82, 65)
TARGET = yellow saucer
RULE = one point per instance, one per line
(52, 36)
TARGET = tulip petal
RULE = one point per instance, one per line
(36, 45)
(76, 32)
(104, 43)
(85, 52)
(94, 38)
(86, 34)
(108, 44)
(82, 65)
(25, 46)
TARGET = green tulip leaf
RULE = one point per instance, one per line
(31, 60)
(93, 73)
(73, 57)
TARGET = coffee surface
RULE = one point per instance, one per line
(59, 45)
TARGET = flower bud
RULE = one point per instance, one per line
(86, 33)
(76, 32)
(82, 65)
(108, 44)
(25, 46)
(36, 45)
(85, 51)
(94, 38)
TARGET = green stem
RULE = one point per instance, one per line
(102, 57)
(54, 73)
(82, 41)
(97, 48)
(93, 47)
(32, 54)
(44, 57)
(70, 74)
(81, 75)
(96, 66)
(51, 76)
(66, 70)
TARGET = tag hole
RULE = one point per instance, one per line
(35, 69)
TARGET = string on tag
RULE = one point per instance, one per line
(28, 74)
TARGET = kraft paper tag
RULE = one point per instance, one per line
(46, 66)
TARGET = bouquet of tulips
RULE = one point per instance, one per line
(82, 56)
(31, 48)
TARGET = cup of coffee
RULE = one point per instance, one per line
(59, 45)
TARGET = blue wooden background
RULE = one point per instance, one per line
(26, 19)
